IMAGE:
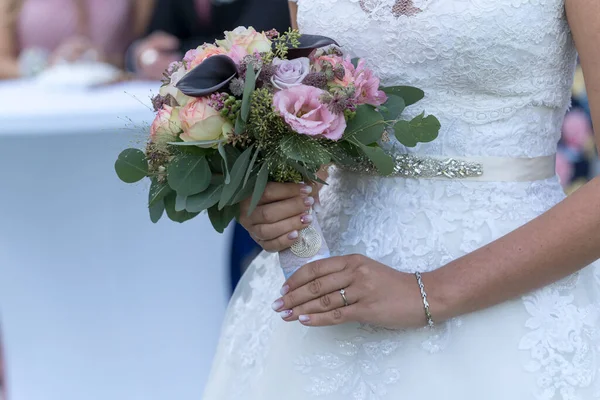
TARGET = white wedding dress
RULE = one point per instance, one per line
(497, 73)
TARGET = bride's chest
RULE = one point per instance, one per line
(441, 33)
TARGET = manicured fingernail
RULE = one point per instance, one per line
(277, 304)
(285, 314)
(306, 189)
(309, 201)
(304, 318)
(284, 290)
(293, 235)
(306, 219)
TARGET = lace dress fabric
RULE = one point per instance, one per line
(498, 75)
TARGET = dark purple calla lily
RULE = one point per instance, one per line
(211, 75)
(308, 43)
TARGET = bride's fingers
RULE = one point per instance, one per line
(273, 231)
(334, 317)
(328, 302)
(275, 212)
(313, 290)
(314, 270)
(281, 243)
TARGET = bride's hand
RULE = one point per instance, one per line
(281, 213)
(376, 294)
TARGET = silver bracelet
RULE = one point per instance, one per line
(425, 302)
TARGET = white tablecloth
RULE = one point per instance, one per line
(97, 303)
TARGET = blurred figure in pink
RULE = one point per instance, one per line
(38, 33)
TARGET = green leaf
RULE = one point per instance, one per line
(382, 161)
(245, 191)
(305, 149)
(131, 165)
(224, 157)
(420, 129)
(251, 167)
(410, 94)
(249, 87)
(158, 191)
(240, 125)
(201, 201)
(176, 216)
(237, 177)
(180, 202)
(366, 127)
(259, 188)
(355, 61)
(393, 108)
(188, 174)
(156, 210)
(220, 219)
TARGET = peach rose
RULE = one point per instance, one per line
(202, 53)
(199, 121)
(248, 38)
(166, 125)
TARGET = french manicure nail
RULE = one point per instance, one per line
(277, 304)
(285, 314)
(306, 219)
(306, 189)
(304, 318)
(293, 235)
(284, 290)
(309, 201)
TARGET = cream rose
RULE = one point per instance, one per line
(170, 88)
(247, 38)
(166, 125)
(199, 121)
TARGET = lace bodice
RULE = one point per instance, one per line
(497, 73)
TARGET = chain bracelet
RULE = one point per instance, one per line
(425, 302)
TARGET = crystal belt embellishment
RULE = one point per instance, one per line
(410, 166)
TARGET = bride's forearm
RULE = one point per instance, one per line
(552, 246)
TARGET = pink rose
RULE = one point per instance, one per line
(367, 86)
(301, 109)
(202, 53)
(166, 125)
(199, 121)
(247, 38)
(237, 53)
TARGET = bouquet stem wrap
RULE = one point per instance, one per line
(310, 246)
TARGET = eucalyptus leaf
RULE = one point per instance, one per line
(188, 174)
(410, 94)
(156, 210)
(393, 108)
(157, 192)
(220, 219)
(131, 165)
(226, 164)
(176, 216)
(366, 127)
(420, 129)
(196, 151)
(249, 87)
(245, 191)
(201, 201)
(251, 166)
(180, 202)
(211, 75)
(259, 188)
(382, 161)
(237, 177)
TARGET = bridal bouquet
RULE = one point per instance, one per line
(261, 106)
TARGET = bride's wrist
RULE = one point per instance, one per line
(442, 296)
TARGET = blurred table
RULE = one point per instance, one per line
(96, 302)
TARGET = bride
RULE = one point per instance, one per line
(474, 289)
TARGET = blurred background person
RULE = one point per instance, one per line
(35, 34)
(179, 25)
(2, 379)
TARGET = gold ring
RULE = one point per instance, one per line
(343, 293)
